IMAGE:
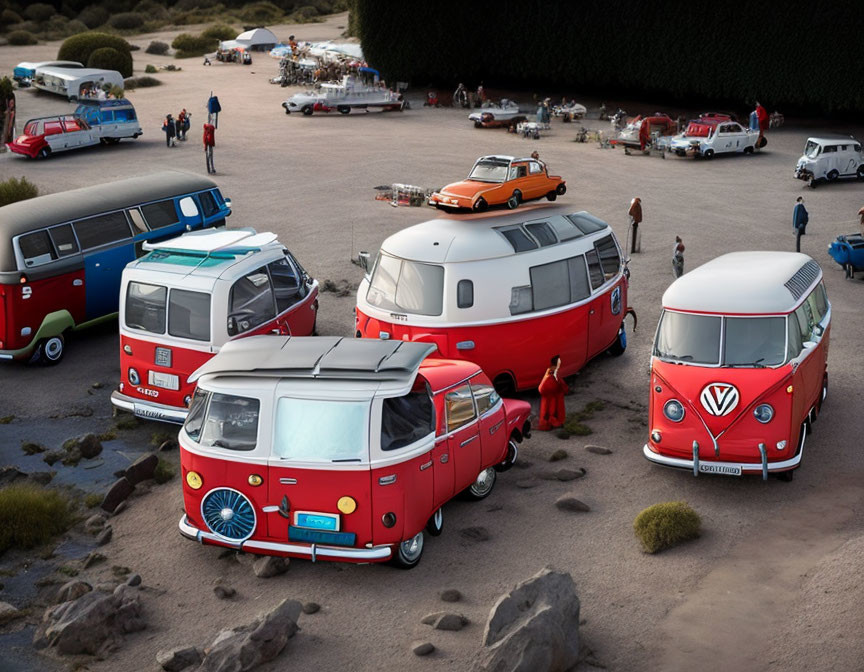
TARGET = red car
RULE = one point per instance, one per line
(47, 135)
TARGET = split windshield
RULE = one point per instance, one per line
(721, 341)
(811, 149)
(316, 430)
(489, 171)
(223, 421)
(403, 286)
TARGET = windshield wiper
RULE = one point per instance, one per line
(741, 365)
(347, 459)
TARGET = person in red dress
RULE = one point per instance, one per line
(552, 390)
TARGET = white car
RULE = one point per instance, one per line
(829, 159)
(708, 137)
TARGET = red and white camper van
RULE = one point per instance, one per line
(338, 448)
(738, 372)
(507, 292)
(188, 297)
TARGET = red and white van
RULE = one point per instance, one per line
(507, 292)
(738, 370)
(338, 448)
(188, 297)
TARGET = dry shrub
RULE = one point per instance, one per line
(30, 515)
(666, 524)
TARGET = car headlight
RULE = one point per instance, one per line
(134, 378)
(674, 410)
(763, 413)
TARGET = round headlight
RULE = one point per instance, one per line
(134, 378)
(346, 505)
(763, 413)
(674, 410)
(193, 480)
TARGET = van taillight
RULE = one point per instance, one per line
(23, 279)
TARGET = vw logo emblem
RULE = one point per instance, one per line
(719, 398)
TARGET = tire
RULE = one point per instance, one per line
(748, 150)
(561, 189)
(478, 124)
(306, 110)
(551, 196)
(482, 487)
(813, 182)
(287, 111)
(343, 109)
(44, 153)
(514, 201)
(832, 175)
(51, 350)
(620, 345)
(408, 553)
(504, 385)
(435, 525)
(512, 456)
(708, 154)
(480, 205)
(860, 172)
(681, 153)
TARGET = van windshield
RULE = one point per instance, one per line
(811, 149)
(721, 341)
(490, 170)
(406, 286)
(319, 430)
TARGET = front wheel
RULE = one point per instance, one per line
(480, 205)
(620, 345)
(860, 172)
(51, 350)
(748, 150)
(408, 553)
(343, 109)
(832, 175)
(435, 525)
(482, 487)
(708, 153)
(561, 189)
(514, 200)
(307, 110)
(551, 196)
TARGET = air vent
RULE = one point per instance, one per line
(804, 277)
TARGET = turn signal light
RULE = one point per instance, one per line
(193, 480)
(346, 505)
(789, 389)
(255, 479)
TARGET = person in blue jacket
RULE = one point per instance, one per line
(800, 217)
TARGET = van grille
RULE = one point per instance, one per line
(803, 278)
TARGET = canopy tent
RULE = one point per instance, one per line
(257, 39)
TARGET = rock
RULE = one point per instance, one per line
(72, 457)
(450, 595)
(31, 447)
(90, 446)
(165, 446)
(533, 627)
(563, 474)
(42, 477)
(247, 647)
(8, 613)
(311, 608)
(422, 648)
(93, 559)
(598, 450)
(175, 660)
(95, 523)
(445, 620)
(568, 503)
(105, 587)
(97, 386)
(133, 580)
(269, 565)
(224, 592)
(142, 469)
(104, 536)
(245, 559)
(92, 622)
(558, 455)
(117, 494)
(10, 475)
(121, 507)
(53, 456)
(527, 483)
(72, 590)
(475, 533)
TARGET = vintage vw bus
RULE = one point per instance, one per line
(112, 120)
(829, 159)
(188, 297)
(506, 292)
(337, 448)
(738, 372)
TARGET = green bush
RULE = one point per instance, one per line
(220, 32)
(140, 83)
(189, 5)
(188, 45)
(126, 21)
(151, 70)
(31, 515)
(74, 27)
(20, 38)
(154, 11)
(665, 525)
(261, 13)
(107, 58)
(164, 471)
(39, 12)
(16, 189)
(9, 18)
(79, 47)
(94, 16)
(92, 500)
(156, 47)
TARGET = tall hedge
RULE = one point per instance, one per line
(106, 58)
(803, 55)
(79, 47)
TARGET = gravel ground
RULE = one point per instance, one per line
(765, 588)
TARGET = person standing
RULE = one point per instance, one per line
(209, 144)
(635, 213)
(552, 390)
(170, 130)
(182, 124)
(678, 258)
(800, 218)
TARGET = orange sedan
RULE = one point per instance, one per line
(496, 180)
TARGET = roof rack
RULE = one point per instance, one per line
(215, 243)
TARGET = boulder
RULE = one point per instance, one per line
(558, 455)
(527, 483)
(598, 450)
(90, 446)
(311, 608)
(450, 595)
(117, 494)
(31, 447)
(42, 477)
(571, 504)
(563, 474)
(104, 536)
(445, 620)
(93, 558)
(269, 565)
(533, 627)
(8, 613)
(224, 592)
(72, 590)
(175, 660)
(249, 646)
(10, 475)
(422, 648)
(50, 458)
(91, 622)
(142, 469)
(134, 580)
(168, 444)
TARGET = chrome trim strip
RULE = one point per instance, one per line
(695, 458)
(288, 481)
(160, 411)
(425, 466)
(467, 441)
(751, 467)
(764, 456)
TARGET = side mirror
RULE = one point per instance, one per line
(363, 261)
(818, 329)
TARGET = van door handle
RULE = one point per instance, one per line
(77, 282)
(424, 467)
(467, 441)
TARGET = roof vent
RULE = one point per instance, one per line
(804, 277)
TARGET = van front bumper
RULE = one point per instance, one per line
(312, 551)
(149, 410)
(717, 467)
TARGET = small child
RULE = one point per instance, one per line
(678, 258)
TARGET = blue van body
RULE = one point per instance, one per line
(848, 251)
(114, 119)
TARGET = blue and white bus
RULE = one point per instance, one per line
(113, 119)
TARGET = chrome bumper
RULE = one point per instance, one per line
(763, 467)
(148, 409)
(312, 551)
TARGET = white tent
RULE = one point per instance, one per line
(257, 39)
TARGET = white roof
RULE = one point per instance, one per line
(79, 73)
(257, 36)
(44, 64)
(837, 139)
(212, 240)
(745, 283)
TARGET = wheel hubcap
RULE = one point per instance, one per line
(53, 348)
(485, 481)
(411, 549)
(438, 519)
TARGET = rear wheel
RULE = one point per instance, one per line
(514, 200)
(860, 172)
(307, 110)
(408, 553)
(44, 153)
(708, 153)
(551, 196)
(748, 150)
(51, 350)
(343, 109)
(620, 345)
(504, 385)
(832, 175)
(512, 455)
(482, 486)
(435, 525)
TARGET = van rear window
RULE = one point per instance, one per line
(208, 204)
(145, 307)
(160, 214)
(102, 230)
(36, 248)
(189, 315)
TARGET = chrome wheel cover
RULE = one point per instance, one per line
(484, 483)
(410, 550)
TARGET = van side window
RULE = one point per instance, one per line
(542, 232)
(594, 269)
(565, 229)
(518, 239)
(464, 293)
(137, 220)
(189, 315)
(804, 316)
(485, 395)
(287, 287)
(145, 307)
(102, 230)
(64, 240)
(520, 300)
(160, 214)
(250, 303)
(124, 114)
(460, 407)
(550, 285)
(106, 116)
(829, 148)
(820, 301)
(578, 272)
(407, 419)
(208, 204)
(609, 257)
(795, 342)
(36, 248)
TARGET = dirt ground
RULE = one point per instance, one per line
(772, 583)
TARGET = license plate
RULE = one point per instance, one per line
(321, 536)
(317, 521)
(722, 469)
(144, 412)
(166, 381)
